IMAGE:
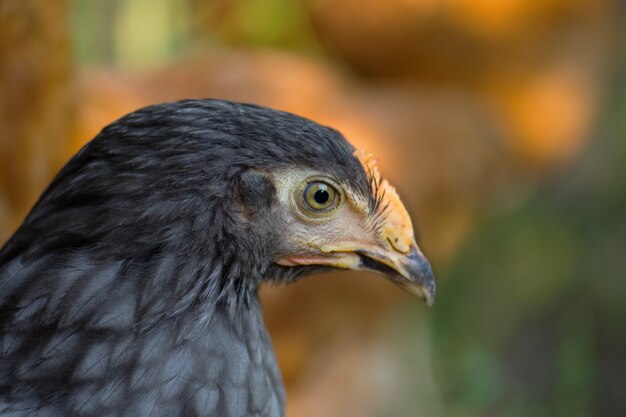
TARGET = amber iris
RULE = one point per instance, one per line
(319, 196)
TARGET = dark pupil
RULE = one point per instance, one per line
(321, 196)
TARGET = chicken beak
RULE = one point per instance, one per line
(411, 272)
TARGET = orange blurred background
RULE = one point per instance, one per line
(500, 122)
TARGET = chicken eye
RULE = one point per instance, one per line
(320, 196)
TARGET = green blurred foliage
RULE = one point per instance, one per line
(140, 34)
(262, 23)
(530, 321)
(135, 34)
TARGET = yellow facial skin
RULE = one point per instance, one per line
(348, 235)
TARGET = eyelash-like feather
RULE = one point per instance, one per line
(375, 181)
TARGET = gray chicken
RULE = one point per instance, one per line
(131, 287)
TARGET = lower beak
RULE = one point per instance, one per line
(411, 271)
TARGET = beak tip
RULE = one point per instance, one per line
(429, 296)
(422, 277)
(425, 288)
(425, 291)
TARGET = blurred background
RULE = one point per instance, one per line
(501, 122)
